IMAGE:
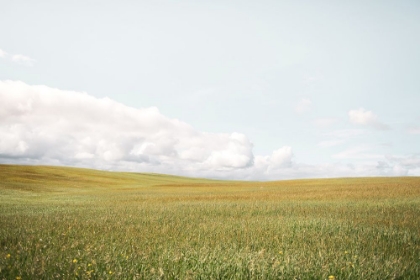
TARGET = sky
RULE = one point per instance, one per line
(246, 90)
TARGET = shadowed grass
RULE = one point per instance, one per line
(70, 223)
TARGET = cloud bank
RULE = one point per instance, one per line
(43, 125)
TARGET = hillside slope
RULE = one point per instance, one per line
(49, 178)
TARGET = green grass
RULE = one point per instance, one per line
(70, 223)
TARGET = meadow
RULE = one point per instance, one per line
(70, 223)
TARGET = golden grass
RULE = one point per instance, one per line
(71, 223)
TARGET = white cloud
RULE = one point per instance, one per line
(303, 106)
(364, 117)
(326, 170)
(400, 165)
(414, 130)
(280, 158)
(18, 58)
(22, 59)
(278, 165)
(410, 161)
(38, 123)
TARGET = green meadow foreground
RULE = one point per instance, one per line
(70, 223)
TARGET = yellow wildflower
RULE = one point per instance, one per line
(331, 277)
(75, 261)
(18, 278)
(8, 256)
(110, 272)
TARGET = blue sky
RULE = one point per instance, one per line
(234, 89)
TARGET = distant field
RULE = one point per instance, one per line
(70, 223)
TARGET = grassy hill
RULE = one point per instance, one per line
(72, 223)
(51, 178)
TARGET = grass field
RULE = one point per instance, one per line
(69, 223)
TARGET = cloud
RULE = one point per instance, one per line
(22, 59)
(358, 152)
(368, 118)
(328, 170)
(18, 58)
(414, 130)
(280, 158)
(303, 106)
(400, 165)
(324, 122)
(42, 124)
(410, 161)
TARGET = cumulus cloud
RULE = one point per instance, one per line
(18, 58)
(368, 118)
(280, 158)
(303, 106)
(42, 123)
